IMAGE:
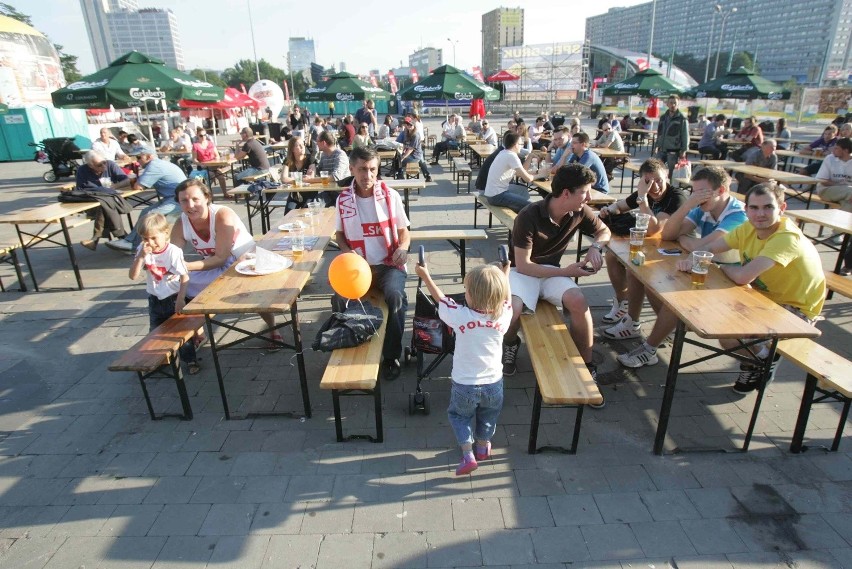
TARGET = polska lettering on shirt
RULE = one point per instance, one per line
(373, 229)
(206, 252)
(480, 324)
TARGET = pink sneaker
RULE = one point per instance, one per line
(482, 452)
(467, 465)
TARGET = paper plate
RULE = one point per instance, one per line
(247, 267)
(291, 226)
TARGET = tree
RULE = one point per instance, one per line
(210, 76)
(66, 60)
(244, 73)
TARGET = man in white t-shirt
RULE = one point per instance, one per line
(835, 175)
(371, 222)
(507, 165)
(107, 146)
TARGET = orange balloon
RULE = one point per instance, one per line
(350, 275)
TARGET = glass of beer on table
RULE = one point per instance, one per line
(297, 241)
(324, 176)
(700, 267)
(637, 240)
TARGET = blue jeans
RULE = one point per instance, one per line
(161, 310)
(168, 207)
(482, 402)
(410, 159)
(515, 198)
(391, 282)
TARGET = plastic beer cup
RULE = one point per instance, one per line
(700, 267)
(637, 240)
(642, 221)
(297, 242)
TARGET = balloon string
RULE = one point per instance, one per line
(365, 313)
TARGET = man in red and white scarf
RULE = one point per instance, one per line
(371, 222)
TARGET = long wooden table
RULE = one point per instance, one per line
(233, 294)
(719, 310)
(46, 216)
(836, 219)
(595, 197)
(609, 153)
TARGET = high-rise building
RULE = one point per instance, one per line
(426, 59)
(501, 27)
(118, 26)
(302, 54)
(808, 41)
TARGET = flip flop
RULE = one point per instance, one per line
(275, 337)
(193, 368)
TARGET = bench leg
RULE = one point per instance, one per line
(759, 399)
(222, 394)
(804, 413)
(577, 422)
(536, 416)
(376, 393)
(71, 254)
(377, 399)
(338, 423)
(147, 397)
(843, 416)
(300, 359)
(533, 448)
(181, 388)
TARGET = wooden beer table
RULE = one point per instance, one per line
(595, 197)
(718, 310)
(233, 294)
(836, 219)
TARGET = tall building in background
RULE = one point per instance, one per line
(502, 27)
(118, 26)
(808, 41)
(426, 59)
(302, 54)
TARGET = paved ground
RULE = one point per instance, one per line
(87, 480)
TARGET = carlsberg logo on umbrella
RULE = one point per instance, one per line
(728, 87)
(140, 94)
(345, 96)
(462, 96)
(626, 85)
(316, 90)
(87, 84)
(426, 88)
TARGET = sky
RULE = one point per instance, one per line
(365, 35)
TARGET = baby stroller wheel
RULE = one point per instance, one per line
(49, 176)
(418, 402)
(407, 355)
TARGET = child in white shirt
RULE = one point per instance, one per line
(166, 278)
(477, 387)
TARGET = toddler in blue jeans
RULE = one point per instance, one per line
(477, 388)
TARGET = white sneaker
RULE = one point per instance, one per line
(624, 330)
(617, 312)
(122, 245)
(638, 357)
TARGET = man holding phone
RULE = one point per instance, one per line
(540, 237)
(710, 212)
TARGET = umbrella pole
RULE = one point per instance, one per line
(150, 128)
(215, 136)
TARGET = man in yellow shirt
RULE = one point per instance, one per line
(777, 260)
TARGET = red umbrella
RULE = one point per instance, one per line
(502, 75)
(653, 110)
(233, 99)
(477, 107)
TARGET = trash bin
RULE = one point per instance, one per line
(693, 113)
(736, 123)
(257, 128)
(557, 121)
(596, 110)
(274, 130)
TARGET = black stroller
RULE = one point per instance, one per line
(431, 336)
(61, 153)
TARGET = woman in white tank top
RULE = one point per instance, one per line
(216, 233)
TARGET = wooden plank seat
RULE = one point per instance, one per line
(839, 284)
(461, 170)
(453, 153)
(456, 237)
(812, 198)
(355, 372)
(431, 140)
(562, 379)
(412, 170)
(827, 375)
(9, 256)
(157, 356)
(254, 178)
(503, 214)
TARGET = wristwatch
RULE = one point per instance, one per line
(641, 199)
(597, 246)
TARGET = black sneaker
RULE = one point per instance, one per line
(510, 354)
(392, 369)
(748, 379)
(428, 178)
(593, 369)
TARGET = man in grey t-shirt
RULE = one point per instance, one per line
(332, 160)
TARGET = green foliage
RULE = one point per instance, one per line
(244, 72)
(696, 65)
(12, 12)
(209, 76)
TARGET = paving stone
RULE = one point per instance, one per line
(583, 480)
(354, 551)
(669, 505)
(714, 502)
(239, 552)
(453, 549)
(627, 478)
(357, 488)
(624, 507)
(477, 513)
(30, 521)
(218, 490)
(309, 488)
(278, 518)
(83, 520)
(170, 464)
(172, 490)
(512, 547)
(393, 550)
(611, 541)
(538, 483)
(228, 519)
(254, 463)
(327, 518)
(180, 519)
(181, 551)
(574, 510)
(32, 553)
(426, 515)
(763, 533)
(131, 520)
(526, 512)
(292, 551)
(211, 464)
(560, 545)
(126, 490)
(662, 539)
(378, 518)
(258, 489)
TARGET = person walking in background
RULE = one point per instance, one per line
(672, 135)
(476, 392)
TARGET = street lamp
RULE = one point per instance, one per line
(453, 42)
(716, 9)
(721, 35)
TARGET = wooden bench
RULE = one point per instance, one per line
(562, 379)
(461, 169)
(503, 214)
(453, 153)
(157, 356)
(456, 237)
(412, 170)
(812, 197)
(839, 284)
(355, 372)
(9, 256)
(827, 374)
(253, 178)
